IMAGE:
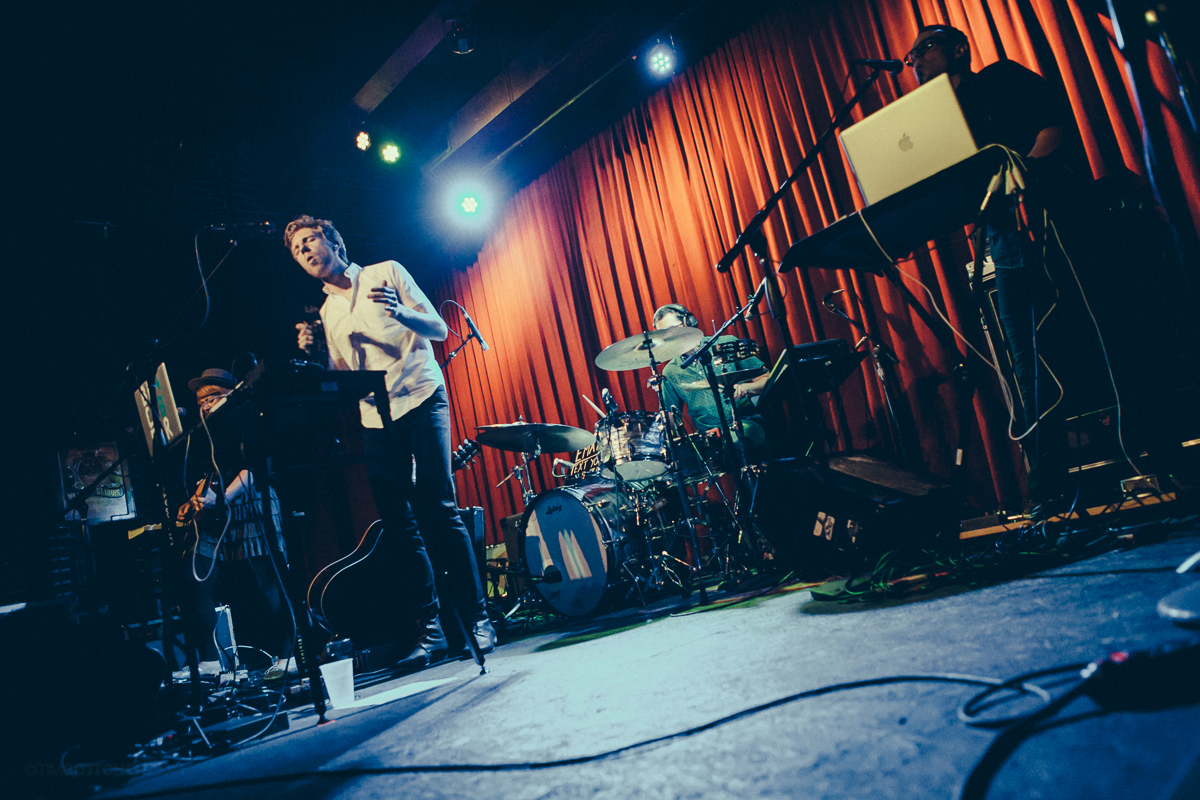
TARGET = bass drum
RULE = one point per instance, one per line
(573, 543)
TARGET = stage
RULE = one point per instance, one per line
(724, 700)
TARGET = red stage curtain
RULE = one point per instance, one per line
(638, 215)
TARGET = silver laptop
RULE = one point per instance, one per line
(909, 140)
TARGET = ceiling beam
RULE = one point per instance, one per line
(566, 61)
(420, 43)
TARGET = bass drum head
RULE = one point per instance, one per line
(564, 544)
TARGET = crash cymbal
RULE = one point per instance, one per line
(634, 352)
(526, 437)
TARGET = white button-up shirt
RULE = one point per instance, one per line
(363, 336)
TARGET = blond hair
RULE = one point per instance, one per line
(328, 232)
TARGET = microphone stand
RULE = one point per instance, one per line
(884, 358)
(753, 232)
(734, 453)
(172, 591)
(456, 350)
(703, 352)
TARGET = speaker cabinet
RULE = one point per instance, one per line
(842, 520)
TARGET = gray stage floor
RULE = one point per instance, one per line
(567, 695)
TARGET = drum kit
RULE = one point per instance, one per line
(624, 525)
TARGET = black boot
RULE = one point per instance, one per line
(431, 647)
(485, 634)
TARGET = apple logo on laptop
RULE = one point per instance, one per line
(905, 143)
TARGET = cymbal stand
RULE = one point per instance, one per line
(702, 352)
(735, 451)
(655, 383)
(521, 473)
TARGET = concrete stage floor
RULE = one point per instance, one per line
(575, 693)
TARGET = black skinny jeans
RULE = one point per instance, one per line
(423, 515)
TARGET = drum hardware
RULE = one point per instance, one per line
(652, 349)
(885, 360)
(728, 360)
(702, 456)
(723, 366)
(531, 439)
(520, 471)
(631, 446)
(581, 544)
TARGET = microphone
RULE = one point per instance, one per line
(263, 228)
(552, 574)
(827, 301)
(610, 402)
(755, 299)
(886, 64)
(475, 331)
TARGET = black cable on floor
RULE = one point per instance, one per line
(991, 684)
(1150, 678)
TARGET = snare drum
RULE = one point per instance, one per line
(632, 446)
(573, 541)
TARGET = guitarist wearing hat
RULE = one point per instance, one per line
(231, 544)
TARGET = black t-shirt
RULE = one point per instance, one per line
(1005, 103)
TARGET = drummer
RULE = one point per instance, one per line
(690, 388)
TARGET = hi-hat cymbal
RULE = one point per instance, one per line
(635, 352)
(528, 437)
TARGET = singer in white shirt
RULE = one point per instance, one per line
(377, 318)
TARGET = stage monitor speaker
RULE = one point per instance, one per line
(843, 520)
(474, 519)
(510, 528)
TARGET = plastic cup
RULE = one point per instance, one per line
(339, 682)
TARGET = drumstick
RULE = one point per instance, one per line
(595, 407)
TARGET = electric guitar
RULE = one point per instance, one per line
(357, 595)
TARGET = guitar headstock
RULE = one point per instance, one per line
(464, 455)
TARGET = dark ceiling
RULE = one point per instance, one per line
(300, 76)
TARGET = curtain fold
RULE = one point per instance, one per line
(637, 216)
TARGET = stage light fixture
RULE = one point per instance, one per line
(661, 59)
(390, 153)
(461, 35)
(469, 203)
(363, 141)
